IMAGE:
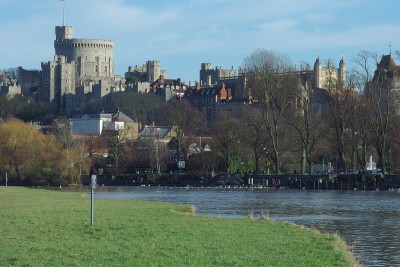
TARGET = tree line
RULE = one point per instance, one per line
(29, 156)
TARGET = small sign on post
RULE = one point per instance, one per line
(181, 164)
(93, 186)
(93, 181)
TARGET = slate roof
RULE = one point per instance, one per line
(208, 91)
(154, 131)
(115, 116)
(119, 116)
(387, 62)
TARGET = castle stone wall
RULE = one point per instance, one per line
(210, 76)
(149, 72)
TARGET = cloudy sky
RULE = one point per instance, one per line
(182, 34)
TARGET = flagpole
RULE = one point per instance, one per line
(63, 11)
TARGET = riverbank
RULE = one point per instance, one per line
(288, 181)
(41, 227)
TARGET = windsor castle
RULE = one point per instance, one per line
(82, 73)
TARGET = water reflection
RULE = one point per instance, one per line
(367, 220)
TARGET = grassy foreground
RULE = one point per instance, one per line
(48, 228)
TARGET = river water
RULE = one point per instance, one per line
(368, 221)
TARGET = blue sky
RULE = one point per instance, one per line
(183, 34)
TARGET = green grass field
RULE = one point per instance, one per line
(48, 228)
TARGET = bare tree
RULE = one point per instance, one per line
(227, 138)
(361, 115)
(341, 99)
(381, 98)
(157, 150)
(185, 119)
(273, 82)
(255, 134)
(361, 133)
(308, 124)
(62, 130)
(115, 141)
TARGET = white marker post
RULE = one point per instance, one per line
(93, 186)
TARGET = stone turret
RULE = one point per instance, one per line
(64, 32)
(342, 72)
(317, 73)
(153, 70)
(206, 66)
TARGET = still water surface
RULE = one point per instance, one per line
(367, 220)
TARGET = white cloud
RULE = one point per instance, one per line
(278, 25)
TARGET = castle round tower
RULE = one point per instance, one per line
(94, 59)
